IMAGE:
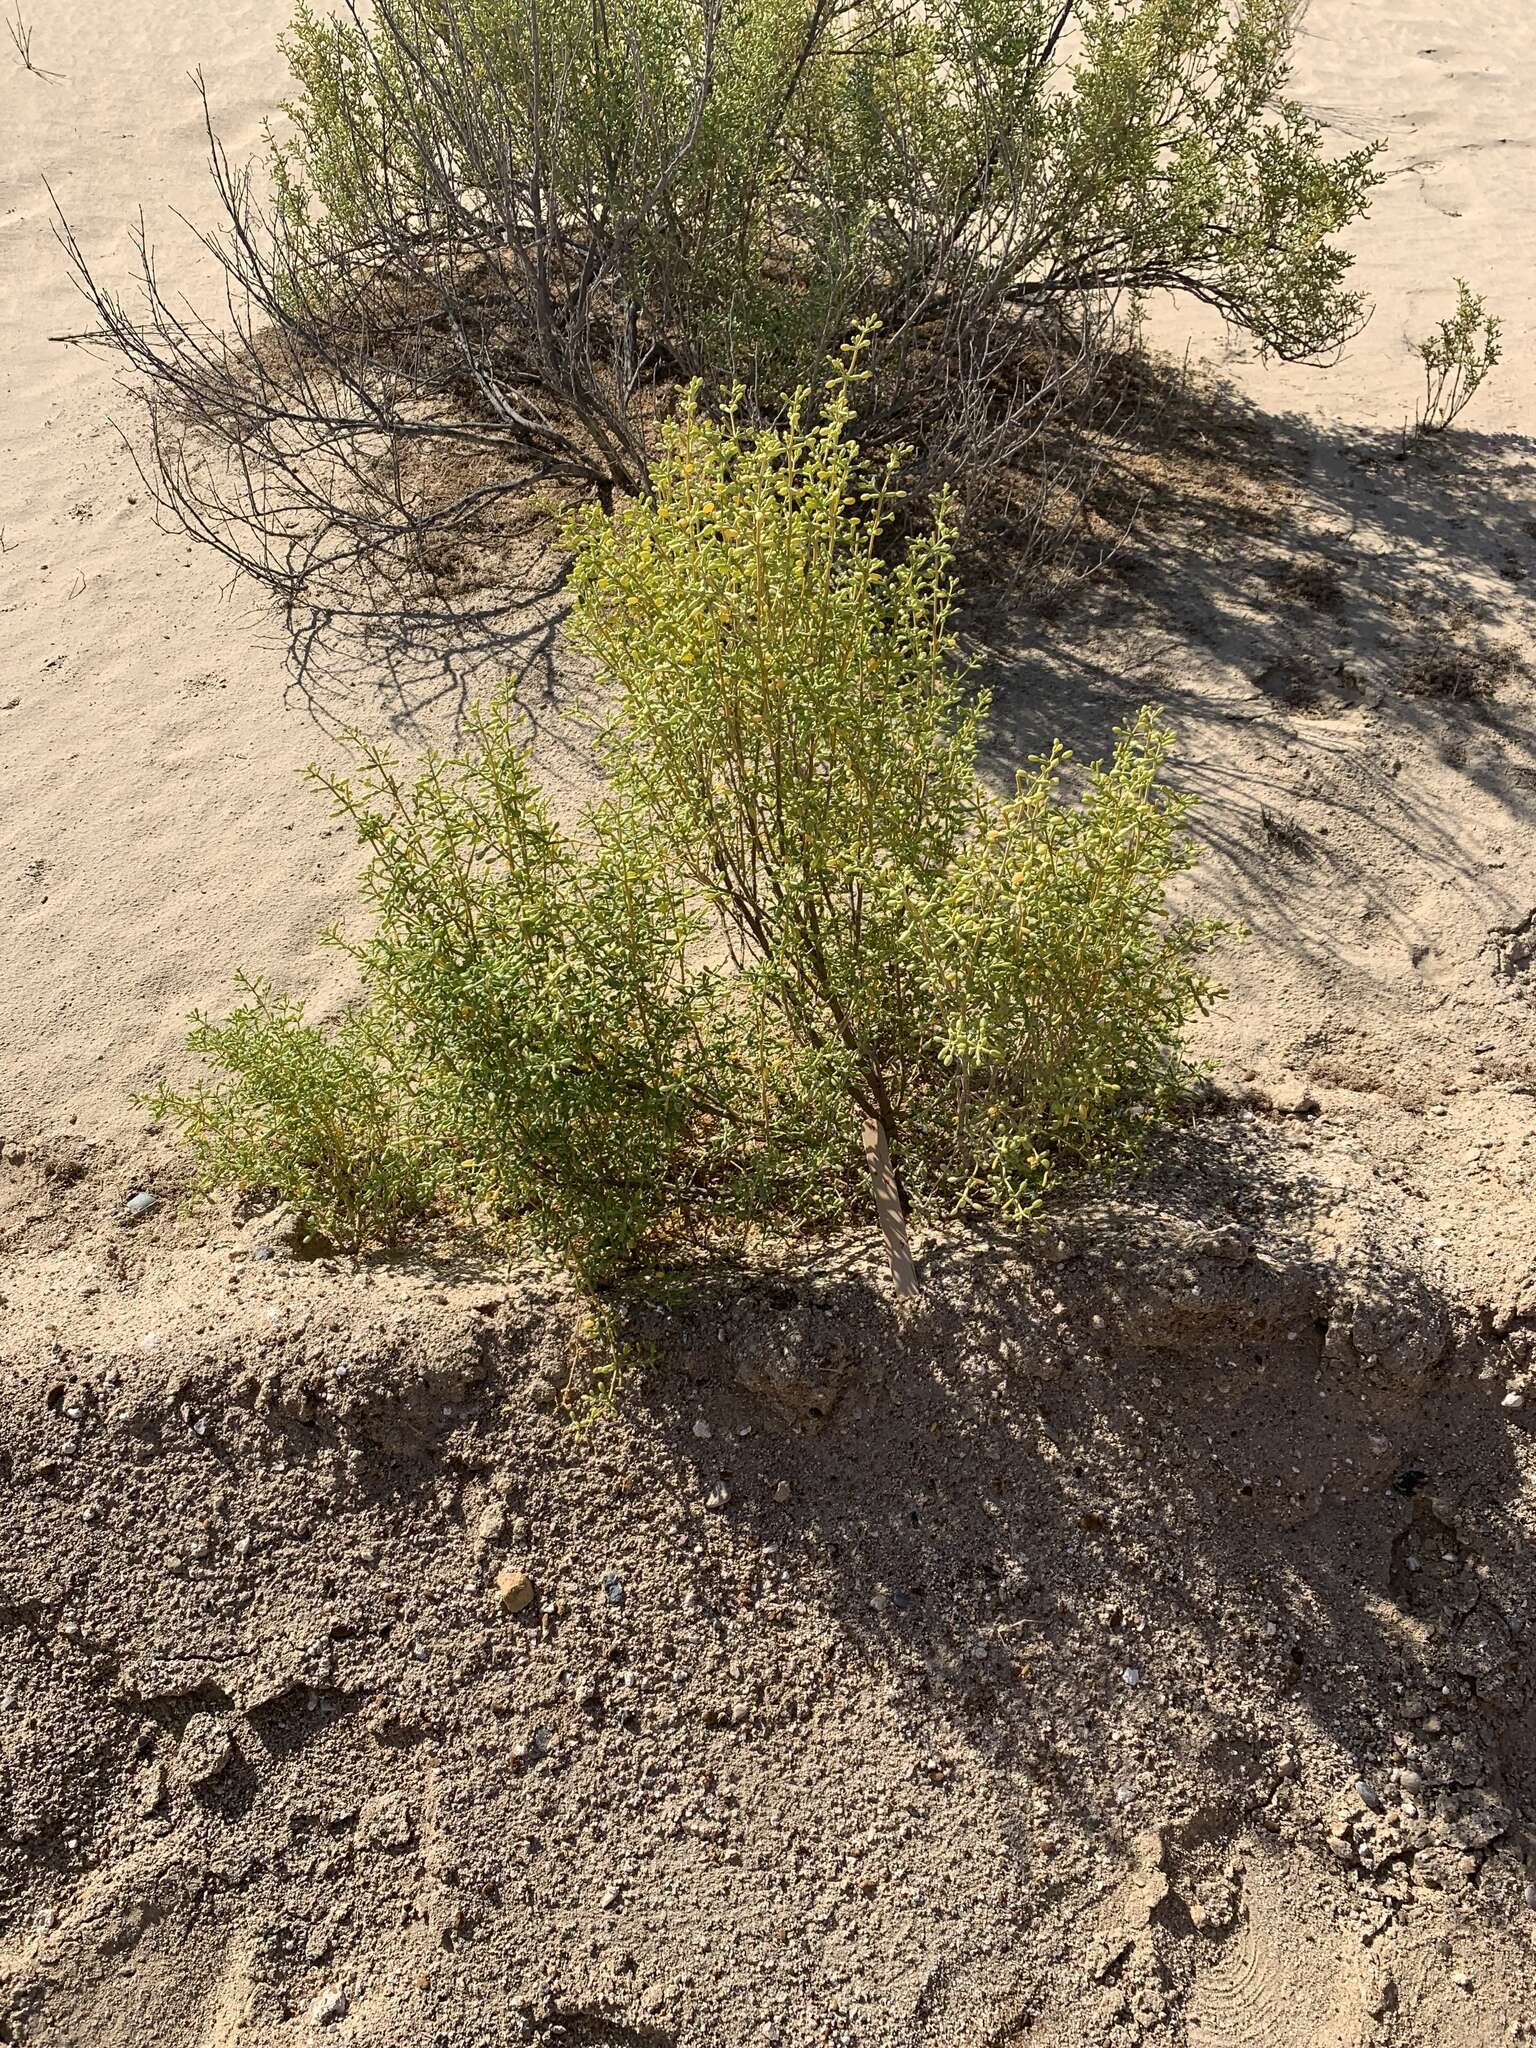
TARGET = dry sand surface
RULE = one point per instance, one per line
(1136, 1646)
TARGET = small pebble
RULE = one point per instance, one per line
(1369, 1796)
(140, 1205)
(702, 1430)
(514, 1590)
(329, 2007)
(1130, 1675)
(1513, 1399)
(613, 1587)
(717, 1497)
(1461, 1980)
(204, 1750)
(782, 1492)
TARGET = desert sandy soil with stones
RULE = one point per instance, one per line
(1136, 1643)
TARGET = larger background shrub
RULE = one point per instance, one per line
(493, 235)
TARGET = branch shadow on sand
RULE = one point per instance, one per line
(1336, 623)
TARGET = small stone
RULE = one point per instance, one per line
(613, 1588)
(329, 2007)
(1530, 1895)
(204, 1750)
(702, 1430)
(1106, 1953)
(492, 1522)
(514, 1590)
(1369, 1796)
(1410, 1780)
(542, 1394)
(274, 1231)
(1513, 1399)
(1461, 1980)
(782, 1492)
(140, 1205)
(1341, 1848)
(717, 1498)
(1130, 1675)
(1379, 1994)
(386, 1822)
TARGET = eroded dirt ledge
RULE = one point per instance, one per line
(1139, 1633)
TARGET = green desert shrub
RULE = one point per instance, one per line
(501, 232)
(798, 940)
(324, 1120)
(1457, 357)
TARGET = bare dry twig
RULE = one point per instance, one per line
(19, 29)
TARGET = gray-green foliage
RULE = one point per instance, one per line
(798, 910)
(1457, 357)
(756, 177)
(499, 235)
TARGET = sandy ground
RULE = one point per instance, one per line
(155, 835)
(916, 1833)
